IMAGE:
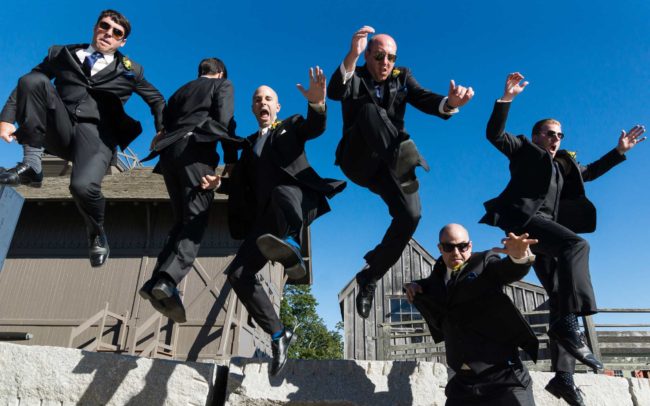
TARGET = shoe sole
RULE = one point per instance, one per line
(274, 249)
(408, 157)
(410, 187)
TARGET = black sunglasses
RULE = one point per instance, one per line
(379, 56)
(449, 247)
(117, 33)
(553, 134)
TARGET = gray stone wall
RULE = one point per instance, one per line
(47, 376)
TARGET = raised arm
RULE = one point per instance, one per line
(496, 127)
(152, 97)
(340, 81)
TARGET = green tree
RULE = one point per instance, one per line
(314, 341)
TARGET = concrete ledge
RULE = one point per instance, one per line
(62, 376)
(340, 382)
(48, 376)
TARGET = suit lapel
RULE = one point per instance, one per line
(113, 70)
(392, 91)
(70, 54)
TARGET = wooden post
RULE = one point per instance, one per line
(592, 335)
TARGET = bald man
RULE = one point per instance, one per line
(464, 305)
(273, 195)
(375, 151)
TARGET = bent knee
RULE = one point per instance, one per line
(33, 80)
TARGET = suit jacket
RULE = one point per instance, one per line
(202, 108)
(286, 148)
(480, 325)
(530, 178)
(402, 89)
(99, 98)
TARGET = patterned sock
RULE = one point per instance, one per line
(569, 322)
(32, 157)
(277, 335)
(565, 377)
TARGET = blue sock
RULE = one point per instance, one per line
(292, 241)
(276, 336)
(565, 377)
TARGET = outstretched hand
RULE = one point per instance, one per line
(7, 131)
(411, 290)
(210, 182)
(360, 40)
(156, 138)
(628, 140)
(458, 95)
(317, 86)
(516, 246)
(514, 86)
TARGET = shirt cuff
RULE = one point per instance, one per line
(318, 107)
(504, 101)
(346, 75)
(529, 258)
(441, 108)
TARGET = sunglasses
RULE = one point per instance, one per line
(553, 134)
(117, 33)
(449, 247)
(379, 56)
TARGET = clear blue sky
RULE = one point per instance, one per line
(587, 63)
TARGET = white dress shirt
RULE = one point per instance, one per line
(100, 64)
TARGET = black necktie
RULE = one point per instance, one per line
(89, 62)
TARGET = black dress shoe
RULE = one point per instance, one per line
(165, 292)
(570, 393)
(280, 349)
(286, 252)
(21, 174)
(145, 293)
(365, 296)
(408, 157)
(574, 342)
(98, 249)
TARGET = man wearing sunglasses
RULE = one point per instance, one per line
(464, 305)
(546, 199)
(80, 118)
(375, 151)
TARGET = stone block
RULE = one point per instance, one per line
(337, 382)
(51, 375)
(640, 391)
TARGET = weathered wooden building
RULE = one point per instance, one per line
(395, 329)
(48, 289)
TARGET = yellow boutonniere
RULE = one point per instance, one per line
(572, 154)
(396, 72)
(275, 124)
(127, 63)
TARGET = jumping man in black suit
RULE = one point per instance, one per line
(197, 116)
(464, 305)
(546, 198)
(273, 195)
(81, 118)
(375, 151)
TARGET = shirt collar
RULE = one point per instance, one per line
(107, 56)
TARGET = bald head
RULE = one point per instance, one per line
(379, 52)
(265, 106)
(381, 40)
(455, 246)
(452, 231)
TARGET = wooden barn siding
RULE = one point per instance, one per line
(48, 296)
